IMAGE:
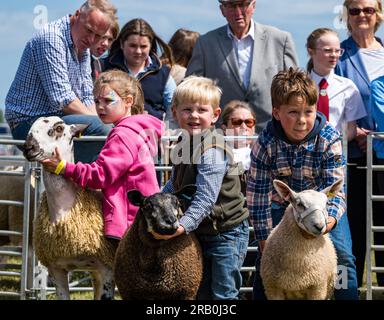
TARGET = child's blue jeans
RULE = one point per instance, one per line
(224, 255)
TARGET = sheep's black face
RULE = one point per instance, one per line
(161, 213)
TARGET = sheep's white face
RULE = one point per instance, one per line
(46, 134)
(309, 206)
(310, 211)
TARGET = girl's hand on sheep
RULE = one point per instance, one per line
(180, 230)
(50, 164)
(330, 224)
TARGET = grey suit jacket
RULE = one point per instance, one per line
(214, 57)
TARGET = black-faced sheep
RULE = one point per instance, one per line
(299, 261)
(146, 268)
(68, 228)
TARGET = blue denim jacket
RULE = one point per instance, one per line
(351, 66)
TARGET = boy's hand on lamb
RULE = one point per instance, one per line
(330, 224)
(180, 230)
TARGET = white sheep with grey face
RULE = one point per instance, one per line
(309, 207)
(68, 235)
(299, 261)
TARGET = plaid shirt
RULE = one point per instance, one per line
(314, 164)
(50, 75)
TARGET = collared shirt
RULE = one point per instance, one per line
(170, 85)
(243, 49)
(314, 164)
(50, 75)
(345, 102)
(211, 169)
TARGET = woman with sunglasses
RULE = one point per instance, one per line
(238, 119)
(344, 99)
(362, 62)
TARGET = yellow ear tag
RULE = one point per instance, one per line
(331, 195)
(79, 135)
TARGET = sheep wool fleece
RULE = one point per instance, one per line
(80, 233)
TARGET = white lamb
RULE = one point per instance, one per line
(68, 229)
(299, 261)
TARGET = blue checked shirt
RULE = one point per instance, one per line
(211, 170)
(50, 76)
(314, 164)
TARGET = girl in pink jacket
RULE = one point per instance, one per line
(126, 160)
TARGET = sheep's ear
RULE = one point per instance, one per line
(78, 129)
(283, 190)
(135, 197)
(332, 190)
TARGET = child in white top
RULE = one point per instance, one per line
(345, 102)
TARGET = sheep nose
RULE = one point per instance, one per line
(170, 219)
(319, 226)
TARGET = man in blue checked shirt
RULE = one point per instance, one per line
(302, 149)
(54, 76)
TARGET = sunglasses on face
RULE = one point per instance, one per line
(357, 11)
(250, 123)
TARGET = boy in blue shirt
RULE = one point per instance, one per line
(302, 149)
(216, 213)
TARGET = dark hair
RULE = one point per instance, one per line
(182, 44)
(293, 83)
(142, 28)
(233, 105)
(312, 42)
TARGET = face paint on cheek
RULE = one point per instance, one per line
(112, 97)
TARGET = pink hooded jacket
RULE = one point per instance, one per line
(124, 163)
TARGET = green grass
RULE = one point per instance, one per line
(12, 284)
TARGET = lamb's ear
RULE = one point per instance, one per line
(135, 197)
(283, 190)
(78, 129)
(332, 190)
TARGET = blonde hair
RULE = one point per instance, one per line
(194, 89)
(233, 105)
(379, 14)
(124, 85)
(293, 83)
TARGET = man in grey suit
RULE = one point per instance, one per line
(243, 56)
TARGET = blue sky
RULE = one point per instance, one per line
(21, 18)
